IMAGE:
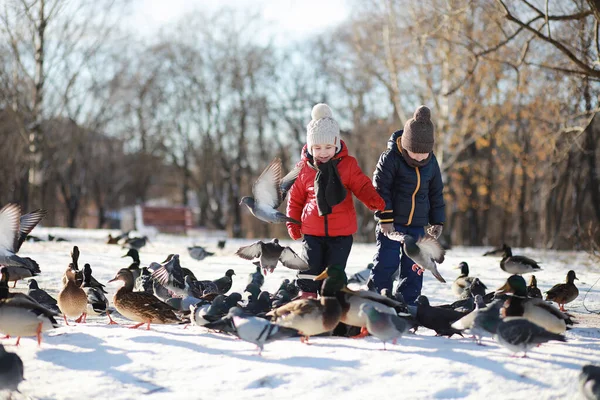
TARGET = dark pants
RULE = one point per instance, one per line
(321, 252)
(387, 260)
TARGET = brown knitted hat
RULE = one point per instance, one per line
(418, 132)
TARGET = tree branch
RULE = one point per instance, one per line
(588, 71)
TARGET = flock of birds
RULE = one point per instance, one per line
(515, 315)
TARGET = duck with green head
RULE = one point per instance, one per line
(535, 310)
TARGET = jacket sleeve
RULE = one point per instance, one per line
(383, 180)
(437, 207)
(363, 189)
(296, 199)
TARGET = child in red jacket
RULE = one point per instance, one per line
(321, 198)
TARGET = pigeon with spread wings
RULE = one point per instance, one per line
(269, 190)
(270, 253)
(425, 252)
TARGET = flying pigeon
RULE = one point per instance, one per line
(14, 229)
(269, 190)
(270, 253)
(425, 252)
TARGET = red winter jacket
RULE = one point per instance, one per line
(302, 202)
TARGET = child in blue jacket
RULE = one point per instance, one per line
(409, 180)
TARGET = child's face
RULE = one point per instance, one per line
(417, 156)
(323, 152)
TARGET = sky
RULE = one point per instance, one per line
(289, 19)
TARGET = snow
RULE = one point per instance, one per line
(96, 360)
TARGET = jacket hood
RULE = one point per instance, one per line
(306, 156)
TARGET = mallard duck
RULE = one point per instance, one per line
(352, 300)
(564, 293)
(496, 252)
(21, 317)
(141, 307)
(465, 281)
(532, 290)
(535, 310)
(72, 299)
(313, 316)
(517, 264)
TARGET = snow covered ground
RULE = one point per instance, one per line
(95, 360)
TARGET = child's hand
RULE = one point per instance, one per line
(386, 228)
(294, 231)
(378, 204)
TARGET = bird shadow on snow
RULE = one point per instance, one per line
(102, 358)
(320, 363)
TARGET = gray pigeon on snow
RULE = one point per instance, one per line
(259, 330)
(385, 327)
(270, 253)
(11, 371)
(268, 192)
(199, 253)
(425, 252)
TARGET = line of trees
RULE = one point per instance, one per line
(94, 119)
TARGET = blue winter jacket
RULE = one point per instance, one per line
(413, 196)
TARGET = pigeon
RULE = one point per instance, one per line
(197, 312)
(199, 253)
(466, 323)
(436, 318)
(269, 190)
(424, 252)
(270, 253)
(517, 265)
(256, 277)
(260, 305)
(169, 274)
(14, 229)
(589, 382)
(259, 331)
(519, 334)
(42, 296)
(385, 327)
(11, 371)
(361, 277)
(136, 242)
(224, 283)
(221, 305)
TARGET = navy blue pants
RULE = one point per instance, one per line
(321, 252)
(389, 258)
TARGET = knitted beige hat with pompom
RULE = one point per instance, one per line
(322, 129)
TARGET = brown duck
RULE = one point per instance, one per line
(564, 293)
(141, 307)
(72, 299)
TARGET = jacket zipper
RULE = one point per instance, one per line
(414, 195)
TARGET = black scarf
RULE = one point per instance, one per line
(329, 189)
(414, 163)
